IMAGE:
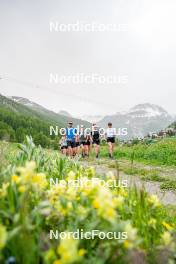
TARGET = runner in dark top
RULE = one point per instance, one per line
(96, 139)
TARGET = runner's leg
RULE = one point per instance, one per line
(110, 148)
(86, 149)
(97, 150)
(82, 150)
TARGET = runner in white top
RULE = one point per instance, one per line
(111, 132)
(110, 135)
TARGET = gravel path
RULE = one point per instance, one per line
(166, 197)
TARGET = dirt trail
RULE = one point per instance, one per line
(166, 197)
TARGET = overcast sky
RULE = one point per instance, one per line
(145, 52)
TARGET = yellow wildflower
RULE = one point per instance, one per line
(39, 180)
(104, 203)
(68, 250)
(70, 193)
(126, 244)
(22, 189)
(167, 226)
(71, 175)
(81, 252)
(154, 201)
(15, 179)
(96, 203)
(27, 171)
(57, 261)
(111, 213)
(28, 176)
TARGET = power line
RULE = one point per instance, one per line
(41, 87)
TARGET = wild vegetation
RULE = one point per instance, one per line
(30, 207)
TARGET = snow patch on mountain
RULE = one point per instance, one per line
(91, 118)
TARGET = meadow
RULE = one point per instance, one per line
(161, 152)
(30, 208)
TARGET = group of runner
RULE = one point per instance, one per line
(80, 142)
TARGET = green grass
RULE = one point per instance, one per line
(7, 150)
(168, 185)
(166, 182)
(162, 152)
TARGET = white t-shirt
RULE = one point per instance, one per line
(111, 132)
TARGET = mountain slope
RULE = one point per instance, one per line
(18, 120)
(52, 117)
(140, 120)
(65, 113)
(173, 125)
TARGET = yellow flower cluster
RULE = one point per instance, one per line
(68, 251)
(74, 205)
(105, 204)
(28, 177)
(167, 225)
(98, 196)
(154, 201)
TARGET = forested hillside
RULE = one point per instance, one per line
(173, 125)
(17, 121)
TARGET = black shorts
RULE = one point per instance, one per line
(96, 141)
(71, 144)
(87, 143)
(111, 139)
(64, 147)
(77, 144)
